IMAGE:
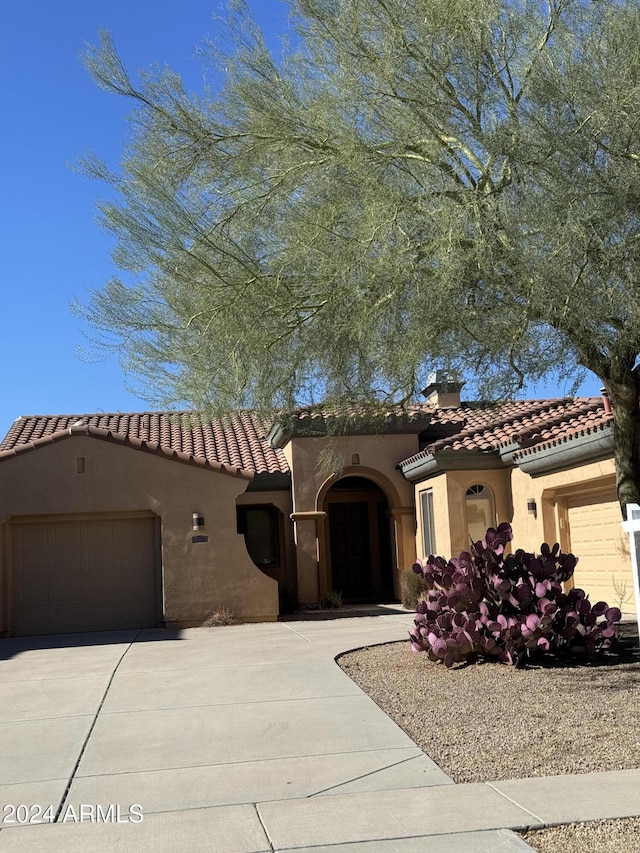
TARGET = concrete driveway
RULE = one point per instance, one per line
(239, 739)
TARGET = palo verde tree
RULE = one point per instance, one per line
(411, 181)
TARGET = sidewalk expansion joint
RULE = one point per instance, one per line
(390, 840)
(297, 633)
(264, 828)
(292, 757)
(252, 702)
(519, 805)
(364, 776)
(91, 728)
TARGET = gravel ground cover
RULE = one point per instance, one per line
(600, 836)
(486, 722)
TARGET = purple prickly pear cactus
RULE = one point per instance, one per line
(508, 607)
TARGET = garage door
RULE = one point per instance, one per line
(597, 539)
(85, 575)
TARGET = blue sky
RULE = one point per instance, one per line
(52, 250)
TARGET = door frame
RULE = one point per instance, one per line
(393, 506)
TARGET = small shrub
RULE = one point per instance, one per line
(508, 608)
(330, 600)
(413, 587)
(217, 618)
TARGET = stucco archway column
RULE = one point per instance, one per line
(308, 528)
(404, 520)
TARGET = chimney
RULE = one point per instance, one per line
(443, 390)
(606, 401)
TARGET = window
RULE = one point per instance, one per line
(428, 526)
(480, 511)
(261, 528)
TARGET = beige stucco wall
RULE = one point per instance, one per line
(315, 464)
(458, 482)
(512, 490)
(449, 507)
(530, 531)
(196, 578)
(553, 494)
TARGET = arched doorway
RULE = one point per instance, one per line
(359, 540)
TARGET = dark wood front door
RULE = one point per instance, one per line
(359, 541)
(350, 549)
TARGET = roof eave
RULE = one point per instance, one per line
(266, 481)
(450, 460)
(588, 447)
(508, 451)
(316, 427)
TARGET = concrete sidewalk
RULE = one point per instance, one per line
(239, 740)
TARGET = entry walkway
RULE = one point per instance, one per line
(242, 740)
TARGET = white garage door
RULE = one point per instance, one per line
(85, 575)
(602, 548)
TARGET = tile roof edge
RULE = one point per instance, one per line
(135, 443)
(444, 445)
(581, 432)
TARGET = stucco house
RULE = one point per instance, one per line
(123, 520)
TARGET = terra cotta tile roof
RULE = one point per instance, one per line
(234, 444)
(578, 425)
(530, 424)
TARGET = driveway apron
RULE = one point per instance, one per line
(239, 739)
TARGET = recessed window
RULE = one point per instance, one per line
(480, 511)
(428, 525)
(261, 528)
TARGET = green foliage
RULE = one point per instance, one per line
(438, 181)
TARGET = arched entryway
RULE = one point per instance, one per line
(359, 550)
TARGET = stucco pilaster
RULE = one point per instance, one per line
(404, 522)
(307, 528)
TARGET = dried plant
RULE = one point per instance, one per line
(218, 617)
